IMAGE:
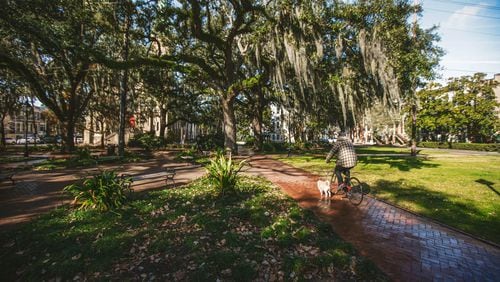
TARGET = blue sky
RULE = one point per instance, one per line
(470, 35)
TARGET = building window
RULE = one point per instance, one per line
(11, 127)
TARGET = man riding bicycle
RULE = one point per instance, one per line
(346, 156)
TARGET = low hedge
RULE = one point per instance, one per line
(274, 147)
(490, 147)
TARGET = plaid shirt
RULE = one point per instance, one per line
(346, 156)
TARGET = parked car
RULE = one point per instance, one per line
(30, 139)
(9, 140)
(51, 139)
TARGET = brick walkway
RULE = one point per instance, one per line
(405, 246)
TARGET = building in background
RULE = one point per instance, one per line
(96, 132)
(15, 126)
(497, 90)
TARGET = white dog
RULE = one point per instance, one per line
(324, 188)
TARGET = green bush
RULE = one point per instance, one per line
(131, 157)
(250, 141)
(83, 153)
(146, 141)
(105, 191)
(53, 147)
(187, 153)
(210, 142)
(223, 173)
(491, 147)
(275, 147)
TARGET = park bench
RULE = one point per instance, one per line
(126, 175)
(7, 175)
(188, 159)
(170, 174)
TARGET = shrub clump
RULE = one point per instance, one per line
(461, 146)
(223, 173)
(104, 191)
(147, 141)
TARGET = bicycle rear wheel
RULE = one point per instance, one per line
(355, 195)
(334, 185)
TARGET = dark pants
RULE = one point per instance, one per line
(339, 170)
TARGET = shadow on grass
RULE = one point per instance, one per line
(488, 184)
(169, 229)
(401, 163)
(449, 209)
(385, 150)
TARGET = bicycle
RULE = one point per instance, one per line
(351, 187)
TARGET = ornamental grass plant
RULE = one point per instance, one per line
(104, 191)
(223, 173)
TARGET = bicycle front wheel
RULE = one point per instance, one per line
(355, 195)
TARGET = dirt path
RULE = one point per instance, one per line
(405, 246)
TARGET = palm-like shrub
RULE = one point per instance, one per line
(105, 191)
(223, 172)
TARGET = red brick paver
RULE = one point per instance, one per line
(405, 246)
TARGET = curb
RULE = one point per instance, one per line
(437, 222)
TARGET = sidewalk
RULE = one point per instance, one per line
(405, 246)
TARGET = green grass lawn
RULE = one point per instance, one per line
(72, 162)
(187, 233)
(14, 159)
(459, 190)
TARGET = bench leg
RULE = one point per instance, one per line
(171, 179)
(10, 178)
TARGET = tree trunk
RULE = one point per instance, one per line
(414, 129)
(103, 132)
(69, 136)
(229, 123)
(151, 123)
(124, 91)
(91, 131)
(26, 151)
(257, 132)
(257, 121)
(123, 110)
(2, 132)
(33, 116)
(163, 122)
